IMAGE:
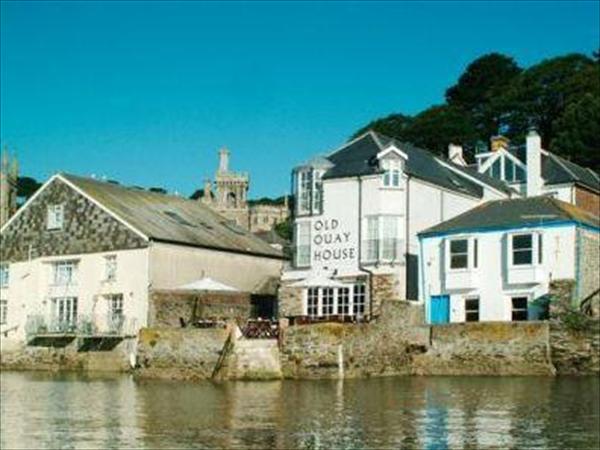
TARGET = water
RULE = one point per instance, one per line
(40, 410)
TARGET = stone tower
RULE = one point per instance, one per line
(9, 174)
(231, 190)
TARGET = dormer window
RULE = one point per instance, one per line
(391, 174)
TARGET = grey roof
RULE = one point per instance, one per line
(358, 157)
(514, 213)
(172, 219)
(558, 170)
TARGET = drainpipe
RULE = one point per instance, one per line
(407, 226)
(360, 266)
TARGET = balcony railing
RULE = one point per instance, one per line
(82, 326)
(388, 250)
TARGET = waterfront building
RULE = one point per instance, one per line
(532, 171)
(230, 199)
(357, 214)
(496, 261)
(82, 253)
(9, 176)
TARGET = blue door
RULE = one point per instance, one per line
(439, 309)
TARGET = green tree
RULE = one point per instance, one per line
(479, 91)
(578, 132)
(394, 125)
(27, 186)
(440, 125)
(284, 229)
(541, 94)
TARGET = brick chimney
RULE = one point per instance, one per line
(534, 164)
(498, 142)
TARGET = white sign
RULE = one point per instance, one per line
(331, 242)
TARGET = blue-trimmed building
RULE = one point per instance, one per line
(494, 262)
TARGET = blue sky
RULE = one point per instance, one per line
(146, 93)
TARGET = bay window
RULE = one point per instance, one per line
(462, 253)
(381, 242)
(309, 191)
(302, 244)
(526, 249)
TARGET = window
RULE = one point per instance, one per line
(472, 309)
(3, 311)
(328, 297)
(459, 254)
(359, 299)
(55, 217)
(344, 301)
(110, 268)
(540, 248)
(304, 183)
(4, 275)
(390, 231)
(115, 312)
(64, 272)
(519, 308)
(522, 249)
(494, 170)
(475, 253)
(391, 174)
(318, 193)
(372, 244)
(312, 302)
(303, 244)
(64, 313)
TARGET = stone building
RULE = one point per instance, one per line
(9, 175)
(230, 199)
(357, 214)
(85, 257)
(497, 262)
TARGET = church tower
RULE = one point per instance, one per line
(9, 174)
(231, 191)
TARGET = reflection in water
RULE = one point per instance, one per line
(69, 411)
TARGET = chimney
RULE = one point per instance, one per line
(455, 154)
(223, 160)
(534, 164)
(498, 142)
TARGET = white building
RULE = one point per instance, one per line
(492, 262)
(358, 212)
(81, 256)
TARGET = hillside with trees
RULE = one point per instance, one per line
(558, 96)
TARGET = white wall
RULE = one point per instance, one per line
(31, 288)
(489, 281)
(174, 265)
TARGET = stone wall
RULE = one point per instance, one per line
(587, 200)
(188, 353)
(167, 307)
(589, 261)
(69, 356)
(382, 347)
(290, 301)
(254, 359)
(87, 228)
(384, 287)
(575, 352)
(492, 348)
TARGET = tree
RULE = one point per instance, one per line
(158, 190)
(198, 193)
(393, 125)
(578, 132)
(541, 94)
(479, 90)
(284, 229)
(440, 125)
(27, 186)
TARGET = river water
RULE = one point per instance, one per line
(41, 410)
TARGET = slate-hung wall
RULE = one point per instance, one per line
(87, 228)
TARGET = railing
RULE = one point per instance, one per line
(385, 250)
(82, 326)
(261, 329)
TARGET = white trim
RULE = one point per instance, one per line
(491, 160)
(389, 149)
(473, 179)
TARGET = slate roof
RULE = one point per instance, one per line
(514, 213)
(358, 158)
(172, 219)
(558, 170)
